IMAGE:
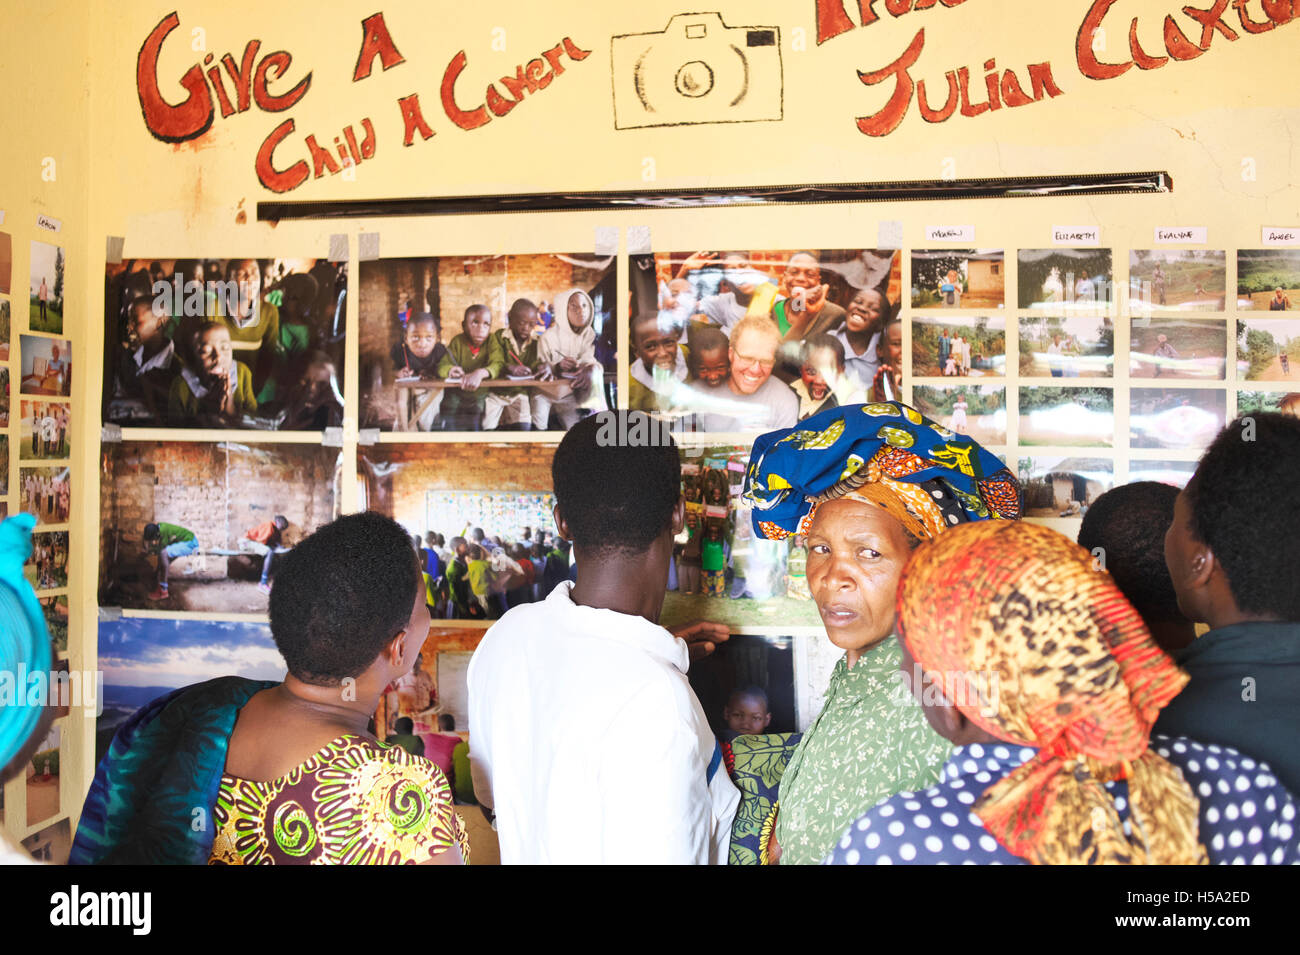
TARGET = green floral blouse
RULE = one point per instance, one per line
(869, 742)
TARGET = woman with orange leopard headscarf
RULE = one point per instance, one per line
(1029, 658)
(864, 484)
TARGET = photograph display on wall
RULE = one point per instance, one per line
(1070, 416)
(1063, 486)
(1183, 418)
(224, 343)
(759, 339)
(46, 493)
(50, 845)
(979, 411)
(1069, 280)
(47, 567)
(1268, 279)
(56, 618)
(47, 288)
(46, 429)
(746, 686)
(196, 526)
(1268, 349)
(1286, 402)
(959, 346)
(6, 328)
(1189, 280)
(958, 278)
(6, 263)
(43, 778)
(1178, 348)
(1067, 346)
(488, 342)
(46, 366)
(1177, 473)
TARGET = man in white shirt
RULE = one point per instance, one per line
(585, 736)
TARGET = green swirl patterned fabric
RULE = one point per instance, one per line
(353, 802)
(756, 764)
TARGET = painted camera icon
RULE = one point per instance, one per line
(698, 70)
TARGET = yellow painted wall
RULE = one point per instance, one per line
(1223, 125)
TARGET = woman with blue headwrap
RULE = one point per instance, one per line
(24, 648)
(863, 484)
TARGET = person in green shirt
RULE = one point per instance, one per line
(218, 391)
(510, 407)
(713, 560)
(472, 357)
(403, 735)
(865, 484)
(168, 541)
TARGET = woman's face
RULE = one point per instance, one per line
(856, 552)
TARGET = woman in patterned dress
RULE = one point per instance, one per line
(288, 773)
(864, 484)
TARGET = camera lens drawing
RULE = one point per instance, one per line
(697, 70)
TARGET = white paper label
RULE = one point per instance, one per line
(950, 233)
(50, 223)
(1178, 234)
(1076, 235)
(1275, 235)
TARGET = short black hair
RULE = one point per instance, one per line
(519, 305)
(1128, 524)
(824, 341)
(1245, 505)
(341, 595)
(403, 725)
(616, 494)
(754, 692)
(446, 722)
(151, 531)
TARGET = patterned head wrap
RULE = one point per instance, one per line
(884, 453)
(24, 637)
(1036, 646)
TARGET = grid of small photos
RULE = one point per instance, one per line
(35, 478)
(1087, 371)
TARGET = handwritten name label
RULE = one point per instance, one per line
(1076, 235)
(950, 233)
(1277, 236)
(47, 222)
(1194, 234)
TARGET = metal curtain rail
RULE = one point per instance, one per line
(714, 197)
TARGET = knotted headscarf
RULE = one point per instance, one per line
(885, 453)
(1037, 646)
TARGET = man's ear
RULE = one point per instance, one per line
(561, 525)
(1201, 567)
(679, 515)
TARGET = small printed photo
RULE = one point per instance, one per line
(753, 340)
(143, 658)
(1176, 473)
(1067, 416)
(244, 343)
(958, 278)
(1071, 346)
(746, 686)
(4, 396)
(52, 844)
(487, 343)
(979, 411)
(4, 466)
(1182, 418)
(1178, 348)
(45, 429)
(6, 263)
(47, 567)
(1072, 280)
(46, 493)
(56, 618)
(47, 289)
(1268, 349)
(958, 347)
(1253, 402)
(1192, 280)
(1268, 279)
(6, 325)
(198, 526)
(43, 778)
(1063, 487)
(46, 366)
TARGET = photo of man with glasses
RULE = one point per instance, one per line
(751, 399)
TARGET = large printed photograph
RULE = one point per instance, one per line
(224, 343)
(487, 343)
(191, 526)
(725, 341)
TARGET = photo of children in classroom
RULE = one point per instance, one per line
(753, 340)
(487, 343)
(196, 526)
(225, 343)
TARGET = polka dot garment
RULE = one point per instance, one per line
(1246, 816)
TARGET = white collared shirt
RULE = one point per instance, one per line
(589, 744)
